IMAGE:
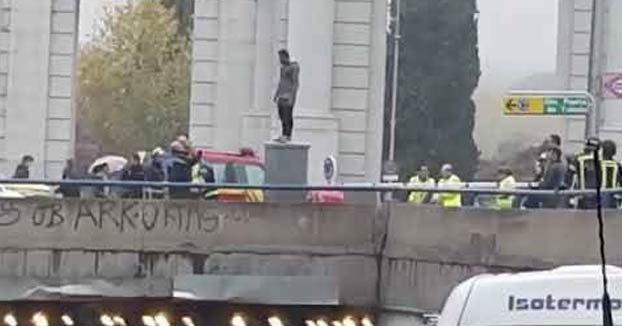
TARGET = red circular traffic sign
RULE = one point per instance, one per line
(614, 86)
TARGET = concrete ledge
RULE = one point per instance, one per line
(516, 239)
(266, 290)
(293, 145)
(414, 254)
(180, 226)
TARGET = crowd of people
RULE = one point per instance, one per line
(179, 163)
(448, 179)
(556, 171)
(553, 171)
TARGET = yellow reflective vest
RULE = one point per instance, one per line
(416, 197)
(446, 199)
(196, 177)
(584, 161)
(609, 169)
(506, 201)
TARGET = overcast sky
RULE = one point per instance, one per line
(90, 10)
(517, 40)
(518, 36)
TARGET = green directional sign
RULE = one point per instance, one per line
(541, 104)
(566, 105)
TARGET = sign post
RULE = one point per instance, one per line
(390, 174)
(552, 103)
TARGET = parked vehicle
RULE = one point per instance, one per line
(242, 167)
(569, 295)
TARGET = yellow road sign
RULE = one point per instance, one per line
(523, 105)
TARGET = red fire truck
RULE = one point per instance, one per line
(242, 167)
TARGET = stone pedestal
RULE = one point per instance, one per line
(286, 164)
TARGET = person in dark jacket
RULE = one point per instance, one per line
(611, 174)
(180, 169)
(202, 173)
(22, 171)
(554, 177)
(134, 172)
(154, 172)
(286, 93)
(101, 173)
(70, 173)
(539, 169)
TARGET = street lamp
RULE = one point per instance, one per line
(396, 62)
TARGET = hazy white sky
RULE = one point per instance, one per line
(517, 37)
(90, 10)
(517, 40)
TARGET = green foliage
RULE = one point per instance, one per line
(439, 70)
(134, 78)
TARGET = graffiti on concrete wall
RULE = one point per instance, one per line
(198, 226)
(117, 215)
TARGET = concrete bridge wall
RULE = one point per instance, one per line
(429, 250)
(133, 239)
(414, 255)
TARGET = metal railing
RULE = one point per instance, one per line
(358, 187)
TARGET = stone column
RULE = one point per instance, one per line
(611, 107)
(310, 42)
(222, 81)
(266, 36)
(60, 128)
(37, 51)
(5, 48)
(256, 121)
(27, 93)
(235, 70)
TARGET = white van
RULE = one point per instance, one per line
(569, 295)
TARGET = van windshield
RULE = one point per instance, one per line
(238, 173)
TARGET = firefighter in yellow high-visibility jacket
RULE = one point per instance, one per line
(423, 180)
(449, 180)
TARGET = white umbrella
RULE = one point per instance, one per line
(115, 163)
(10, 194)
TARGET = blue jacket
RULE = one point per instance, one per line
(180, 170)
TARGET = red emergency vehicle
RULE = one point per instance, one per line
(242, 167)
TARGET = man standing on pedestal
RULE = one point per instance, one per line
(285, 96)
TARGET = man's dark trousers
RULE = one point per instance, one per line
(286, 109)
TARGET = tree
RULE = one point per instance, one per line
(134, 78)
(439, 70)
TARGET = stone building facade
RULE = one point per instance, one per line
(341, 48)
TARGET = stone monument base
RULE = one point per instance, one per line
(286, 164)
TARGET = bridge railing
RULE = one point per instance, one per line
(465, 188)
(480, 194)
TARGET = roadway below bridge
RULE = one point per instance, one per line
(390, 255)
